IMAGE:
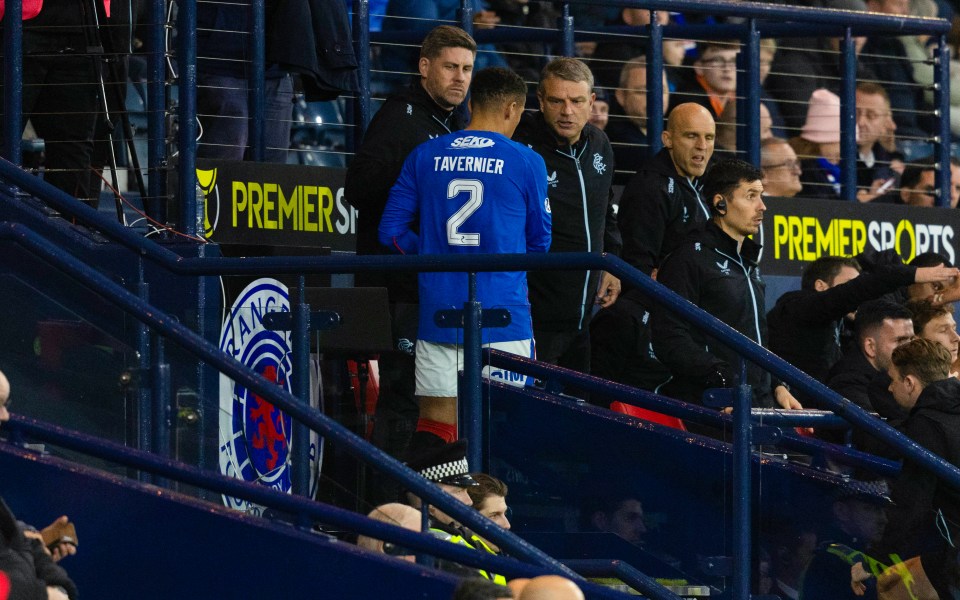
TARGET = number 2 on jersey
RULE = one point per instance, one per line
(474, 190)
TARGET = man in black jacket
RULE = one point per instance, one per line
(659, 207)
(716, 269)
(881, 325)
(663, 203)
(925, 517)
(580, 167)
(424, 111)
(805, 324)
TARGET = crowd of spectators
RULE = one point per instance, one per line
(799, 86)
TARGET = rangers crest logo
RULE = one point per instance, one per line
(255, 436)
(598, 165)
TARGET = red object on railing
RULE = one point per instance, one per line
(31, 8)
(648, 415)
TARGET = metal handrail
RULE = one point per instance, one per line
(270, 497)
(242, 374)
(698, 414)
(505, 262)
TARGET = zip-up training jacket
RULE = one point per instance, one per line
(658, 208)
(707, 270)
(581, 201)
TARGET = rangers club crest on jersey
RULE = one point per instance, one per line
(255, 436)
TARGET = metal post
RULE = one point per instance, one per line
(655, 107)
(423, 558)
(156, 114)
(361, 42)
(187, 113)
(742, 495)
(300, 342)
(567, 35)
(470, 391)
(258, 32)
(144, 404)
(941, 100)
(161, 399)
(466, 13)
(748, 78)
(13, 80)
(848, 117)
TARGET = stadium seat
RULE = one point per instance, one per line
(648, 415)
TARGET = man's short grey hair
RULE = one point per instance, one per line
(567, 69)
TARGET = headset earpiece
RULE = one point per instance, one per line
(721, 207)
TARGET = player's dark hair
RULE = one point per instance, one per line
(495, 86)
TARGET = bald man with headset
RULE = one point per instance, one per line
(716, 269)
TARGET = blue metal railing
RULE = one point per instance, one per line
(317, 421)
(20, 427)
(555, 377)
(762, 20)
(342, 264)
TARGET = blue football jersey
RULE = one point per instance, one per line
(470, 192)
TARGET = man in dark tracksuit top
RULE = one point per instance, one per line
(805, 324)
(425, 111)
(579, 162)
(716, 269)
(659, 207)
(924, 519)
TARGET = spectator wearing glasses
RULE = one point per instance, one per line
(780, 167)
(879, 165)
(715, 78)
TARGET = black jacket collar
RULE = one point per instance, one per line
(749, 250)
(417, 94)
(943, 396)
(536, 127)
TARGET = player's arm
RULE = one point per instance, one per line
(396, 226)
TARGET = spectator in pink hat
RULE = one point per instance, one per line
(818, 146)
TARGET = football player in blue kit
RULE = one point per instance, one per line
(470, 192)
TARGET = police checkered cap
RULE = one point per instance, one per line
(450, 469)
(872, 492)
(444, 464)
